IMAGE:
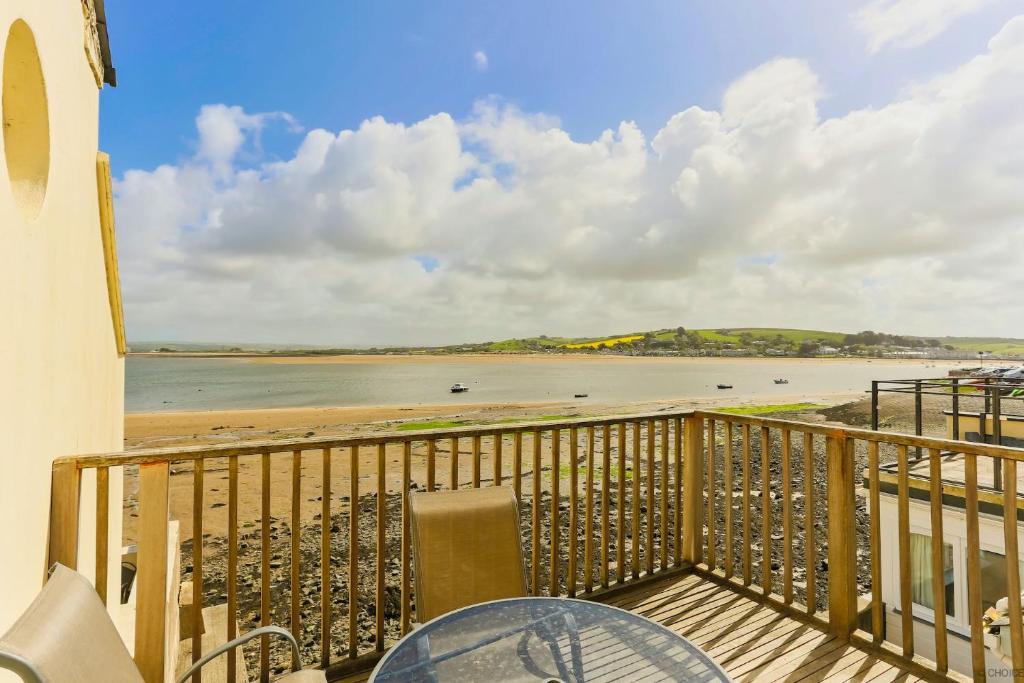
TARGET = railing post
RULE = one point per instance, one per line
(65, 484)
(151, 584)
(874, 405)
(693, 490)
(842, 539)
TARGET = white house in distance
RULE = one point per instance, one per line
(62, 346)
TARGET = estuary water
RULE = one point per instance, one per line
(155, 384)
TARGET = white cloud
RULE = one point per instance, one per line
(909, 23)
(480, 60)
(907, 217)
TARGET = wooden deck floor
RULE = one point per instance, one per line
(750, 640)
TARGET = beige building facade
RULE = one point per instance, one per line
(61, 346)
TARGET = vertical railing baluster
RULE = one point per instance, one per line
(766, 511)
(606, 484)
(1012, 565)
(232, 573)
(635, 536)
(406, 559)
(265, 552)
(875, 514)
(620, 527)
(517, 466)
(678, 502)
(198, 469)
(453, 463)
(938, 559)
(810, 551)
(651, 481)
(728, 485)
(498, 443)
(102, 530)
(663, 529)
(571, 537)
(296, 537)
(556, 476)
(325, 559)
(353, 552)
(431, 465)
(588, 525)
(747, 562)
(476, 461)
(382, 513)
(973, 563)
(535, 518)
(787, 518)
(710, 514)
(903, 508)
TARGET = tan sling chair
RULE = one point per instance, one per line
(466, 549)
(66, 636)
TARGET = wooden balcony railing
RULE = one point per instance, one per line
(606, 503)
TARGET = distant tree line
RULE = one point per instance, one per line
(871, 338)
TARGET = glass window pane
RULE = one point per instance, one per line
(921, 572)
(993, 578)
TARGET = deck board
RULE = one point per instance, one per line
(750, 640)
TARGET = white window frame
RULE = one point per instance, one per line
(954, 532)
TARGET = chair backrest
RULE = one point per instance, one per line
(467, 549)
(66, 636)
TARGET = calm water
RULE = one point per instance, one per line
(155, 384)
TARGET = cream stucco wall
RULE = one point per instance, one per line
(61, 380)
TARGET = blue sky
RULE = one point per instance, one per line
(412, 173)
(332, 64)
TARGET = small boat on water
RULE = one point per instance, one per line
(725, 386)
(781, 380)
(580, 395)
(459, 388)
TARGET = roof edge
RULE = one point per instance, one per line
(109, 72)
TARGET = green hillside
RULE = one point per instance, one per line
(731, 335)
(992, 345)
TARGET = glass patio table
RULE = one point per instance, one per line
(544, 639)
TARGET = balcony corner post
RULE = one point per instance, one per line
(693, 489)
(842, 539)
(65, 485)
(151, 615)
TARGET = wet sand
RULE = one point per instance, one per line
(225, 426)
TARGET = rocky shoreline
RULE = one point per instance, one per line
(249, 554)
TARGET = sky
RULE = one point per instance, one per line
(358, 174)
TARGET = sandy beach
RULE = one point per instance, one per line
(224, 426)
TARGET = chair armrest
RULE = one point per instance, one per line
(241, 640)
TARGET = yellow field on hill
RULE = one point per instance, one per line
(605, 342)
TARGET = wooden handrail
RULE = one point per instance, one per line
(255, 447)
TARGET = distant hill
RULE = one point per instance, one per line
(741, 341)
(732, 335)
(993, 345)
